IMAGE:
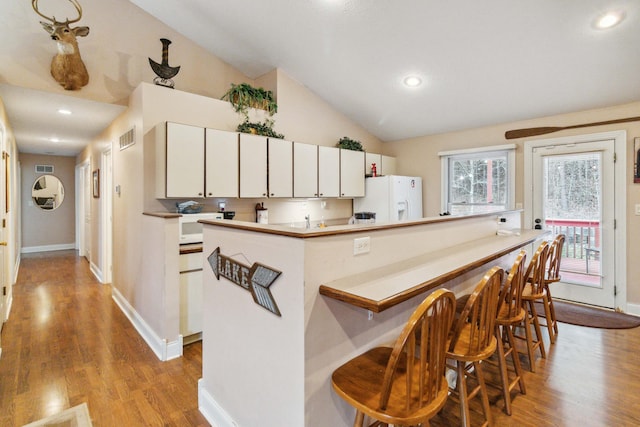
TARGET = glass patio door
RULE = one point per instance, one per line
(573, 194)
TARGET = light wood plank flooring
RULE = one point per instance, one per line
(66, 342)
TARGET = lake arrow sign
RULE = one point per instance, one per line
(255, 279)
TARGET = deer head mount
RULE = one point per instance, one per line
(67, 67)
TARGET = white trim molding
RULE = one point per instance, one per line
(620, 204)
(212, 411)
(48, 248)
(162, 348)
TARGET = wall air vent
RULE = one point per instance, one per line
(128, 138)
(44, 168)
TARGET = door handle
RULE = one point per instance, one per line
(3, 243)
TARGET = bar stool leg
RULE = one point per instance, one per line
(536, 324)
(515, 356)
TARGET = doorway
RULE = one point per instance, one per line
(573, 191)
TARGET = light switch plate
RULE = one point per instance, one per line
(637, 209)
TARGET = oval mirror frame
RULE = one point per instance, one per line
(47, 192)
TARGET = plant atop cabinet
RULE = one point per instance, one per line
(349, 144)
(259, 128)
(245, 96)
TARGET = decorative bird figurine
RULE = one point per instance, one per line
(164, 72)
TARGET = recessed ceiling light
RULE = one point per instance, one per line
(412, 81)
(54, 139)
(63, 111)
(609, 19)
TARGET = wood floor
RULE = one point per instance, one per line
(66, 342)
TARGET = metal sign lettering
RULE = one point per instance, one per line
(255, 279)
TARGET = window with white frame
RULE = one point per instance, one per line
(478, 180)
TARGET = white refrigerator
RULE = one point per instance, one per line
(393, 198)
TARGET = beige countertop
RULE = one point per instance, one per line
(381, 288)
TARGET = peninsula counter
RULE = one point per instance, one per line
(284, 307)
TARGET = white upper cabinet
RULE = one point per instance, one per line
(253, 166)
(180, 160)
(387, 165)
(351, 173)
(280, 170)
(305, 170)
(221, 151)
(328, 171)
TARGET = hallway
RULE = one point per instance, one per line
(66, 342)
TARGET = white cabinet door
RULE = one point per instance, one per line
(253, 166)
(369, 160)
(221, 151)
(280, 170)
(184, 161)
(191, 302)
(351, 173)
(328, 171)
(305, 170)
(387, 166)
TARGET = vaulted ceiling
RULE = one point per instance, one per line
(480, 63)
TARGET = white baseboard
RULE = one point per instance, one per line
(633, 309)
(16, 269)
(96, 271)
(48, 248)
(163, 349)
(9, 303)
(215, 415)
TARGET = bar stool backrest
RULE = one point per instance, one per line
(510, 301)
(419, 353)
(555, 257)
(536, 269)
(478, 316)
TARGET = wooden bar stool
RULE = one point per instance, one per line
(534, 291)
(473, 341)
(404, 385)
(552, 276)
(510, 314)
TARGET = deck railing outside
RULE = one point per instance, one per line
(581, 252)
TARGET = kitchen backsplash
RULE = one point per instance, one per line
(281, 211)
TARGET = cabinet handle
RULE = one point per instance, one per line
(322, 194)
(272, 194)
(210, 194)
(199, 194)
(264, 194)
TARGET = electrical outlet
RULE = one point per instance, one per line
(361, 245)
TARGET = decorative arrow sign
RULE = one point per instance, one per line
(255, 279)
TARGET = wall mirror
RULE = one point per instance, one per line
(47, 192)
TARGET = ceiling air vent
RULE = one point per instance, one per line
(44, 168)
(128, 138)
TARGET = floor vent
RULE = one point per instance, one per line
(44, 168)
(128, 138)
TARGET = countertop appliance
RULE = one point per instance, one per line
(392, 197)
(191, 229)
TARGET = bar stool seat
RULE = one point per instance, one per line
(404, 385)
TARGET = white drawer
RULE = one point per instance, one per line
(191, 261)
